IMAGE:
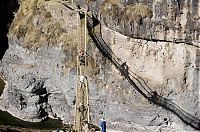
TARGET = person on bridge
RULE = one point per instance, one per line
(86, 126)
(87, 5)
(82, 57)
(103, 124)
(154, 95)
(81, 108)
(82, 81)
(124, 71)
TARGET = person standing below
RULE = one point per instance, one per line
(103, 125)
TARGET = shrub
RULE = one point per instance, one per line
(34, 26)
(137, 12)
(110, 7)
(129, 13)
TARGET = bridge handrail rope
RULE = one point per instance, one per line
(89, 22)
(119, 65)
(114, 59)
(161, 101)
(118, 60)
(186, 117)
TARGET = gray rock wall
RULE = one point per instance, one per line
(30, 94)
(170, 69)
(36, 66)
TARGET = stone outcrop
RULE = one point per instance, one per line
(38, 39)
(40, 70)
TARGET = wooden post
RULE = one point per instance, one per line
(85, 34)
(88, 112)
(77, 85)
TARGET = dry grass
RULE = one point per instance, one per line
(110, 7)
(32, 36)
(35, 27)
(136, 12)
(129, 13)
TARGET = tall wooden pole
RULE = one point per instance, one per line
(88, 112)
(85, 40)
(77, 85)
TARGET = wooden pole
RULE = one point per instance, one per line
(85, 40)
(77, 84)
(88, 112)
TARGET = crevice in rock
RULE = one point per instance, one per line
(23, 103)
(2, 85)
(43, 99)
(42, 113)
(39, 89)
(7, 9)
(169, 41)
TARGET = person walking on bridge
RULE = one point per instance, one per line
(87, 5)
(82, 57)
(82, 80)
(124, 69)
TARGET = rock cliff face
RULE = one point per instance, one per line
(40, 66)
(38, 55)
(170, 69)
(158, 20)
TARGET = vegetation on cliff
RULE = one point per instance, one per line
(131, 13)
(34, 26)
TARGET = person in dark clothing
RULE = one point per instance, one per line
(81, 108)
(74, 100)
(103, 125)
(124, 68)
(82, 57)
(154, 95)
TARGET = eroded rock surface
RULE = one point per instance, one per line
(157, 20)
(40, 70)
(33, 62)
